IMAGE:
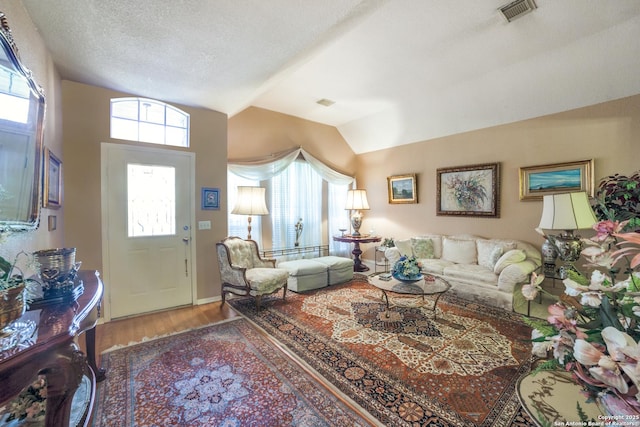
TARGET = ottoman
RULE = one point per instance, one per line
(305, 274)
(340, 269)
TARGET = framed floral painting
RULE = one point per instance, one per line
(469, 190)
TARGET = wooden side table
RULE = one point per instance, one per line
(53, 352)
(356, 240)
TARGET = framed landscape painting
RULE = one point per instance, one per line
(538, 181)
(52, 181)
(469, 190)
(402, 189)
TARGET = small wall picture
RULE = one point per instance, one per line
(210, 198)
(52, 177)
(469, 190)
(402, 189)
(538, 181)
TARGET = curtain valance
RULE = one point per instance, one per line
(264, 169)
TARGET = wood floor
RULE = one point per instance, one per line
(134, 329)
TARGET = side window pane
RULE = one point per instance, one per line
(152, 112)
(176, 118)
(151, 196)
(151, 133)
(123, 128)
(125, 109)
(177, 137)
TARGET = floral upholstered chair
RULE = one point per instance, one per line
(244, 272)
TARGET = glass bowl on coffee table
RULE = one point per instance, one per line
(427, 284)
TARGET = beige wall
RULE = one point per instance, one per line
(256, 132)
(35, 56)
(86, 126)
(608, 133)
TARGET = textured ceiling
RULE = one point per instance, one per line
(399, 71)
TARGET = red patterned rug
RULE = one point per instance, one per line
(409, 369)
(226, 374)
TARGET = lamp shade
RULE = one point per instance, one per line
(567, 211)
(357, 199)
(250, 201)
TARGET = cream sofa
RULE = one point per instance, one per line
(479, 269)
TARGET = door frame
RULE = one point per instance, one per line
(105, 147)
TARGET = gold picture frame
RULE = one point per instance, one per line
(52, 181)
(568, 177)
(402, 189)
(472, 190)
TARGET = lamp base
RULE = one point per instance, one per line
(568, 247)
(356, 222)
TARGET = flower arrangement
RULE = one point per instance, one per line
(406, 268)
(31, 403)
(388, 242)
(593, 330)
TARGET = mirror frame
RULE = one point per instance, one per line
(31, 222)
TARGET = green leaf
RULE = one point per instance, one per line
(578, 278)
(608, 315)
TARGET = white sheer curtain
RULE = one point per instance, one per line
(294, 197)
(338, 217)
(298, 196)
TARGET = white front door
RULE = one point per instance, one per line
(147, 201)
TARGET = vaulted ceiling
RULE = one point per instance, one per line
(398, 71)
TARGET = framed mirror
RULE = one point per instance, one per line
(21, 131)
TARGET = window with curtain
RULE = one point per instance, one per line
(237, 224)
(299, 186)
(295, 196)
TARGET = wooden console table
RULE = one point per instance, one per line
(356, 240)
(54, 353)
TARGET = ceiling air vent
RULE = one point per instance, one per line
(517, 8)
(326, 102)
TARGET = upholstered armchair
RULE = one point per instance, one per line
(244, 272)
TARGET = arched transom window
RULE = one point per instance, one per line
(146, 120)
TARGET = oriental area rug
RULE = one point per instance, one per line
(405, 366)
(226, 374)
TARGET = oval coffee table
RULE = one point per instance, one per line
(428, 285)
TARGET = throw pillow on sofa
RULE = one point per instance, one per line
(489, 251)
(459, 251)
(437, 243)
(404, 247)
(511, 257)
(422, 248)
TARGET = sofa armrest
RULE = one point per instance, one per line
(516, 273)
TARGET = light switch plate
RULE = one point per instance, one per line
(204, 225)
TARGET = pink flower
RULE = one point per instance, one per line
(558, 318)
(607, 368)
(632, 240)
(604, 229)
(530, 290)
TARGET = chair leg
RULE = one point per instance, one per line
(284, 292)
(258, 300)
(224, 294)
